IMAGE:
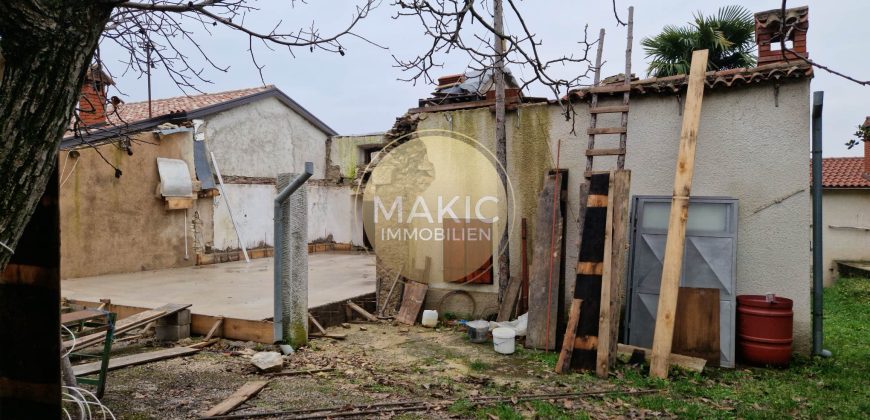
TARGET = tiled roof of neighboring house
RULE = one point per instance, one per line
(138, 111)
(715, 79)
(844, 172)
(133, 117)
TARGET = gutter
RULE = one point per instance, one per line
(818, 278)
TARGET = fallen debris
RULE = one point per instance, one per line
(694, 364)
(126, 324)
(268, 361)
(300, 372)
(243, 394)
(365, 314)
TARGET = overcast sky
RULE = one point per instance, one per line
(360, 92)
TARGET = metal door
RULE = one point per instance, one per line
(708, 261)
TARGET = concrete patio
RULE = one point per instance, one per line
(237, 289)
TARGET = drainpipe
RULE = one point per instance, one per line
(818, 280)
(283, 195)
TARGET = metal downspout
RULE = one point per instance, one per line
(278, 318)
(818, 279)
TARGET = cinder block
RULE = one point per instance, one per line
(172, 332)
(181, 317)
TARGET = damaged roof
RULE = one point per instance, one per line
(715, 79)
(844, 172)
(133, 117)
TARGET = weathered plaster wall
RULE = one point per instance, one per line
(845, 208)
(748, 148)
(330, 212)
(253, 209)
(115, 225)
(264, 138)
(348, 152)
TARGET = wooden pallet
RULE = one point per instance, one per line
(589, 341)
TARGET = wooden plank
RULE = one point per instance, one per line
(605, 152)
(673, 260)
(619, 260)
(511, 294)
(126, 324)
(596, 200)
(135, 359)
(602, 359)
(544, 275)
(606, 130)
(610, 88)
(316, 324)
(233, 328)
(214, 328)
(593, 268)
(365, 314)
(696, 327)
(608, 109)
(241, 395)
(570, 334)
(588, 286)
(694, 364)
(75, 317)
(412, 302)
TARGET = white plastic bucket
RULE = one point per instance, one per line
(504, 340)
(430, 318)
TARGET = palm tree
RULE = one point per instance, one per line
(729, 36)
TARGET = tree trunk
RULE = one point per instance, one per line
(504, 263)
(46, 46)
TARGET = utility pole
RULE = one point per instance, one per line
(504, 269)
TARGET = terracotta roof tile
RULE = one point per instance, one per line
(722, 78)
(844, 172)
(138, 111)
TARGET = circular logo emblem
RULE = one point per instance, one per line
(435, 207)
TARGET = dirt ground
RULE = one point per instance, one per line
(376, 363)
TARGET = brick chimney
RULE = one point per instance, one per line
(769, 26)
(93, 99)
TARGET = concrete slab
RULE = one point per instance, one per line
(236, 289)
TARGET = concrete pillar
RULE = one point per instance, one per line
(294, 269)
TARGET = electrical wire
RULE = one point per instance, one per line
(69, 175)
(73, 346)
(84, 399)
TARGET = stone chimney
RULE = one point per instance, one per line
(770, 25)
(93, 99)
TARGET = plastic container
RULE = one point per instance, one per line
(503, 340)
(478, 331)
(764, 329)
(430, 318)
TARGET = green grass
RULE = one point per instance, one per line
(478, 366)
(837, 387)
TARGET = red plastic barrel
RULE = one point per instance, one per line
(764, 329)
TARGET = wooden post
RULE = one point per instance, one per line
(673, 262)
(504, 270)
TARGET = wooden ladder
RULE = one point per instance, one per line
(568, 344)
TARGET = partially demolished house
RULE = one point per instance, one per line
(139, 188)
(749, 218)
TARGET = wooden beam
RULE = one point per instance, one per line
(126, 324)
(694, 364)
(135, 359)
(365, 314)
(568, 340)
(606, 130)
(511, 294)
(232, 328)
(602, 359)
(214, 328)
(673, 261)
(608, 109)
(605, 152)
(241, 395)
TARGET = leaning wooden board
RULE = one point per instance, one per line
(590, 267)
(544, 279)
(135, 359)
(696, 327)
(412, 302)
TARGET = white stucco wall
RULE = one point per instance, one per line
(253, 209)
(847, 209)
(264, 138)
(331, 212)
(748, 148)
